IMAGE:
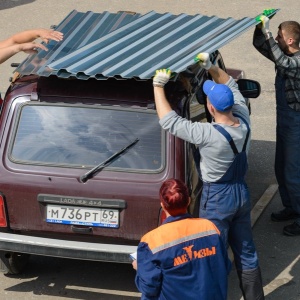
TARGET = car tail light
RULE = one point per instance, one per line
(3, 222)
(162, 216)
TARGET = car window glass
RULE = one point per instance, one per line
(84, 137)
(197, 111)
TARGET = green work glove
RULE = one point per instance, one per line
(265, 24)
(161, 77)
(203, 60)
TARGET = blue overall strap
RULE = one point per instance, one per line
(248, 132)
(228, 138)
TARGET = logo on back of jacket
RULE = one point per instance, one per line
(193, 254)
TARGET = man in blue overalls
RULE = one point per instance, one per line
(284, 52)
(223, 146)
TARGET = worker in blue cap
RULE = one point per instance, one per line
(223, 146)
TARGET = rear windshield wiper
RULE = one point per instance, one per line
(98, 168)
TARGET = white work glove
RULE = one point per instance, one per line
(161, 77)
(203, 60)
(265, 21)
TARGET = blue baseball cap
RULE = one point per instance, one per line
(220, 95)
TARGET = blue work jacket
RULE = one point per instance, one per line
(184, 258)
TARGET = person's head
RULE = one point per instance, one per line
(220, 97)
(174, 197)
(288, 36)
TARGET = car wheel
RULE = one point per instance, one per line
(13, 263)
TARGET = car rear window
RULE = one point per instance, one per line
(83, 137)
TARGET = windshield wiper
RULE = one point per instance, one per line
(98, 168)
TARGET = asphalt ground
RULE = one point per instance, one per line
(278, 254)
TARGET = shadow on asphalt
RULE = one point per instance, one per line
(279, 258)
(5, 4)
(261, 168)
(67, 278)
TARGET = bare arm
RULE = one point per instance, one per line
(159, 80)
(218, 75)
(23, 41)
(30, 35)
(8, 52)
(162, 105)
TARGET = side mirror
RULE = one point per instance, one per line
(249, 88)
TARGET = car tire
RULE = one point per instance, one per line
(12, 263)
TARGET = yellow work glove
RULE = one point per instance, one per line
(265, 24)
(203, 60)
(161, 77)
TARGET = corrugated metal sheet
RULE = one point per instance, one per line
(124, 45)
(80, 29)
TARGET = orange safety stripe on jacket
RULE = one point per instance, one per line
(171, 234)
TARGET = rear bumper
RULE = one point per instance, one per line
(67, 249)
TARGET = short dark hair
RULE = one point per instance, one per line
(293, 28)
(175, 196)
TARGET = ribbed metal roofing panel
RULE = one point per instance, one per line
(80, 29)
(124, 46)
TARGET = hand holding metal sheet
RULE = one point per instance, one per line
(264, 24)
(161, 77)
(47, 35)
(204, 61)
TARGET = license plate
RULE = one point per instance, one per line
(88, 216)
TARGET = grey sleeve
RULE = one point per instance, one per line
(288, 65)
(261, 44)
(195, 133)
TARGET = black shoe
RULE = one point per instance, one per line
(292, 229)
(284, 215)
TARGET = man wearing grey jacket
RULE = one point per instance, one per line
(223, 146)
(286, 56)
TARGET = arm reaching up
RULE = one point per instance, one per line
(7, 52)
(159, 80)
(23, 41)
(30, 35)
(217, 74)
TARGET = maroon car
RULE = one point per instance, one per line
(82, 162)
